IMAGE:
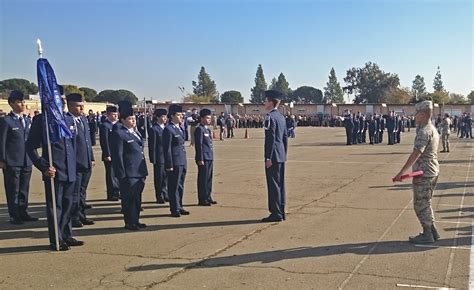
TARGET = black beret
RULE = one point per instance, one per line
(74, 97)
(111, 109)
(125, 109)
(273, 95)
(160, 112)
(174, 109)
(15, 96)
(204, 112)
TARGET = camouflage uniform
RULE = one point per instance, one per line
(426, 141)
(445, 131)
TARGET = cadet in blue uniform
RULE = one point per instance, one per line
(105, 130)
(14, 161)
(391, 127)
(128, 160)
(63, 170)
(204, 158)
(175, 160)
(155, 151)
(276, 147)
(349, 125)
(84, 159)
(92, 126)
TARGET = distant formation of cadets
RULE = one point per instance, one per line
(357, 126)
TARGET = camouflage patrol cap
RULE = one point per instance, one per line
(424, 106)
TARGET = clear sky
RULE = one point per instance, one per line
(154, 47)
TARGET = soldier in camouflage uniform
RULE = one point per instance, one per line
(425, 158)
(445, 132)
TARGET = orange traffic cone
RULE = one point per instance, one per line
(246, 134)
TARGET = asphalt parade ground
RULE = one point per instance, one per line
(347, 225)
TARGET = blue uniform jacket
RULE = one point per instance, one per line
(128, 159)
(276, 138)
(203, 144)
(13, 137)
(83, 145)
(155, 144)
(105, 130)
(63, 151)
(173, 146)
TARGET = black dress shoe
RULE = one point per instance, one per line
(114, 198)
(16, 221)
(77, 224)
(132, 227)
(72, 242)
(184, 212)
(141, 226)
(176, 214)
(62, 247)
(213, 202)
(142, 209)
(27, 218)
(204, 204)
(167, 199)
(88, 206)
(271, 219)
(87, 222)
(160, 201)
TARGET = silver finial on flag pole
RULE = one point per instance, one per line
(40, 49)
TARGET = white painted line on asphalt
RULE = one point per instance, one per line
(448, 222)
(443, 247)
(453, 205)
(421, 286)
(356, 268)
(449, 271)
(471, 261)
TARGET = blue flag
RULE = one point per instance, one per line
(51, 103)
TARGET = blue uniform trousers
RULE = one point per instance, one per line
(17, 184)
(64, 193)
(176, 180)
(204, 181)
(276, 189)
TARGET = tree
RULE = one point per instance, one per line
(88, 93)
(205, 86)
(370, 84)
(470, 97)
(282, 85)
(193, 98)
(72, 89)
(115, 96)
(258, 96)
(457, 99)
(418, 88)
(25, 86)
(398, 96)
(307, 95)
(232, 97)
(438, 83)
(332, 91)
(273, 84)
(439, 97)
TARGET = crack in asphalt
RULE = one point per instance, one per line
(254, 232)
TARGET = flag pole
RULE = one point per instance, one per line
(50, 162)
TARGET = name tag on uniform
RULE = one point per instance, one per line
(177, 136)
(71, 128)
(14, 129)
(130, 141)
(206, 134)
